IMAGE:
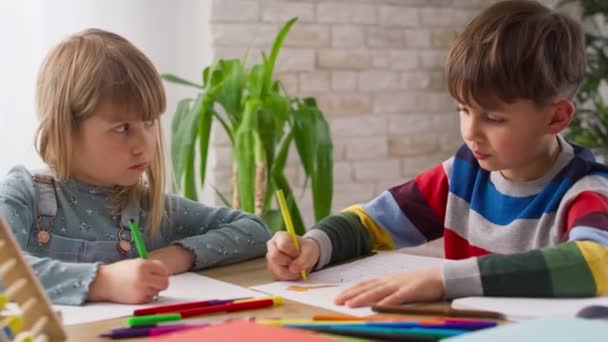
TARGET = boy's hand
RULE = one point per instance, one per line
(284, 261)
(398, 288)
(133, 281)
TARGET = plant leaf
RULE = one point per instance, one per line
(323, 175)
(180, 137)
(204, 134)
(274, 53)
(244, 155)
(229, 91)
(221, 196)
(225, 125)
(274, 220)
(256, 80)
(178, 80)
(304, 136)
(282, 183)
(188, 131)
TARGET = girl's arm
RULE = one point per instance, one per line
(214, 235)
(65, 282)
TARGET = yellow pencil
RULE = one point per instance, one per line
(288, 223)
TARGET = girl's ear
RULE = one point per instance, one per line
(561, 113)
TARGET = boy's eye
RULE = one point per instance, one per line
(121, 129)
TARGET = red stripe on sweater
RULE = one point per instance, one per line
(433, 185)
(588, 209)
(456, 247)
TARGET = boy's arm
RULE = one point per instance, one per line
(65, 282)
(215, 235)
(406, 215)
(576, 268)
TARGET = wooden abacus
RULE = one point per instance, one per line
(37, 321)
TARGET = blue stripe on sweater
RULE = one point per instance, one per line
(582, 233)
(387, 213)
(471, 183)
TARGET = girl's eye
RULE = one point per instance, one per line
(495, 119)
(121, 129)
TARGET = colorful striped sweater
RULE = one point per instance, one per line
(542, 238)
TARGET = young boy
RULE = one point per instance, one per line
(524, 211)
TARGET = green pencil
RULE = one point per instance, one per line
(152, 319)
(139, 240)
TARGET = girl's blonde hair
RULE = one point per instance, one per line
(78, 75)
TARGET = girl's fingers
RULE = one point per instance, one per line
(158, 268)
(156, 282)
(150, 295)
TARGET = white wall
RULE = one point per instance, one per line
(173, 34)
(20, 34)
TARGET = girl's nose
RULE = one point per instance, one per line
(143, 139)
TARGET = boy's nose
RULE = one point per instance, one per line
(471, 130)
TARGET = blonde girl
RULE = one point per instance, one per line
(99, 100)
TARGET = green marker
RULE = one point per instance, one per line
(139, 240)
(139, 243)
(152, 319)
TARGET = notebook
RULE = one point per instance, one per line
(182, 288)
(517, 309)
(323, 286)
(556, 329)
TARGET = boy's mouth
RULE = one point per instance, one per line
(480, 156)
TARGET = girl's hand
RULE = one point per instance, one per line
(133, 281)
(285, 262)
(176, 258)
(398, 288)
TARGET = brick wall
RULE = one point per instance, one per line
(376, 69)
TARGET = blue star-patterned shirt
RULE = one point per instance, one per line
(85, 233)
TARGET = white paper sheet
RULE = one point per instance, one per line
(182, 287)
(322, 287)
(517, 309)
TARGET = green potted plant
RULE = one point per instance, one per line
(261, 121)
(589, 126)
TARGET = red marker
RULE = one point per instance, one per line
(235, 306)
(182, 306)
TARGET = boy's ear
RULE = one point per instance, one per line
(561, 113)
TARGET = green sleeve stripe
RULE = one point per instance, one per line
(517, 275)
(569, 272)
(349, 238)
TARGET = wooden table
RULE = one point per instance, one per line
(245, 274)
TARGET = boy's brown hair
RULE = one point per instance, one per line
(516, 49)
